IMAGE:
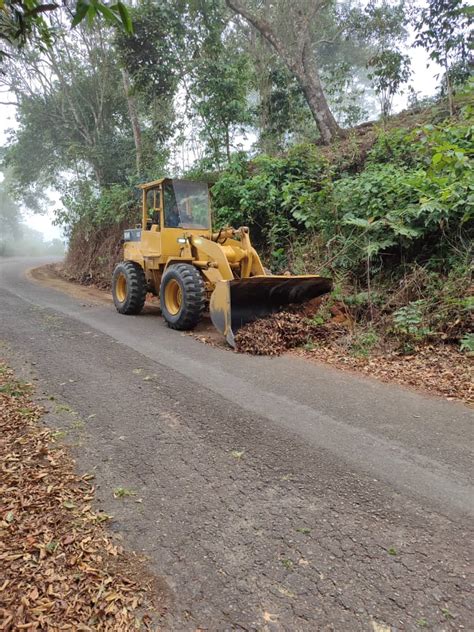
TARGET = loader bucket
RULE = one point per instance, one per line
(240, 301)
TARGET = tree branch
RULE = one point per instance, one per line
(42, 8)
(263, 27)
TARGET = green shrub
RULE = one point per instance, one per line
(409, 320)
(467, 343)
(97, 209)
(275, 196)
(364, 343)
(412, 201)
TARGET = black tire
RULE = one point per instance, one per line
(184, 310)
(129, 287)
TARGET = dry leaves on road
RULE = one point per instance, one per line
(59, 569)
(438, 369)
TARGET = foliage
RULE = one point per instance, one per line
(82, 202)
(467, 343)
(217, 94)
(417, 205)
(76, 120)
(9, 215)
(409, 320)
(388, 71)
(442, 29)
(23, 21)
(153, 52)
(364, 342)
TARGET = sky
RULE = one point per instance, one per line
(423, 80)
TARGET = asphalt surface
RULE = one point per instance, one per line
(268, 493)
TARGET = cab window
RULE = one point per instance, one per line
(153, 203)
(186, 204)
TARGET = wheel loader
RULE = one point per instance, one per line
(174, 254)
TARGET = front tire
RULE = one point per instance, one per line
(182, 296)
(129, 287)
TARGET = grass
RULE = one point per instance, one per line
(304, 530)
(58, 435)
(15, 388)
(446, 614)
(64, 408)
(123, 492)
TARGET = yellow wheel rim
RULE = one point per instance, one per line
(121, 287)
(173, 297)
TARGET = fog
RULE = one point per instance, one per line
(24, 241)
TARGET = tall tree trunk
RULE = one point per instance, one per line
(449, 88)
(303, 66)
(134, 120)
(312, 88)
(227, 143)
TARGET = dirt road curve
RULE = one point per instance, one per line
(273, 494)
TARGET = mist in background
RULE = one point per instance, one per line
(17, 237)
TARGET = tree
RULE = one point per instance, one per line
(292, 40)
(388, 71)
(134, 120)
(152, 59)
(218, 94)
(23, 21)
(184, 68)
(72, 113)
(442, 29)
(216, 81)
(381, 26)
(9, 220)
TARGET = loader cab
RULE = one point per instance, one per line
(181, 204)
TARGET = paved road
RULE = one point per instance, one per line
(276, 494)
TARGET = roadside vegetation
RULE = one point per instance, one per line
(59, 567)
(272, 109)
(391, 223)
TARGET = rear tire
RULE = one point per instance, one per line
(182, 296)
(129, 287)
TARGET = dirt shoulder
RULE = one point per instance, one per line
(440, 370)
(59, 567)
(53, 276)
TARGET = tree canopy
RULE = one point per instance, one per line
(193, 83)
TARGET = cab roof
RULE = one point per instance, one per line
(154, 183)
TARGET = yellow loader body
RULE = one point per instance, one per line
(175, 255)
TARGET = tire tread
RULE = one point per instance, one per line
(136, 287)
(195, 293)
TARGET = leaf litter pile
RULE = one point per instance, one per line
(59, 569)
(278, 333)
(438, 369)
